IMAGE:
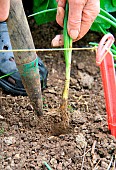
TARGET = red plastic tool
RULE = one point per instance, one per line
(104, 59)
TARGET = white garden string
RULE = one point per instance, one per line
(49, 49)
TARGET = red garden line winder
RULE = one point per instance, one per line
(104, 59)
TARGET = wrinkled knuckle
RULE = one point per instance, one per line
(78, 2)
(74, 23)
(88, 19)
(89, 16)
(92, 10)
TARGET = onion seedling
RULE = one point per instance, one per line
(67, 55)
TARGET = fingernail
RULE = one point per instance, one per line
(74, 34)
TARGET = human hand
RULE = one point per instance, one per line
(82, 14)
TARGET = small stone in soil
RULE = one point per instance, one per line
(9, 140)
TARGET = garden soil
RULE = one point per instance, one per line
(28, 141)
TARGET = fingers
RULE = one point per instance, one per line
(57, 41)
(90, 11)
(75, 17)
(4, 9)
(60, 16)
(60, 12)
(81, 15)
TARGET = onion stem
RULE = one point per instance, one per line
(67, 54)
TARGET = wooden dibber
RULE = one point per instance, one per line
(27, 62)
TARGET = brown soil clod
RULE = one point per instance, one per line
(55, 122)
